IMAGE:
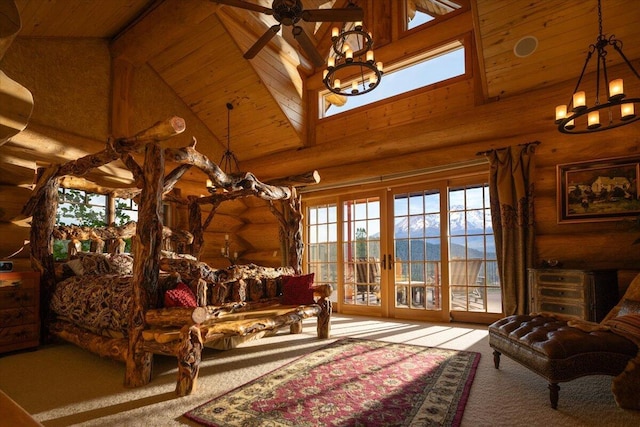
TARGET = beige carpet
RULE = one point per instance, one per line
(62, 385)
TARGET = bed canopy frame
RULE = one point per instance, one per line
(151, 186)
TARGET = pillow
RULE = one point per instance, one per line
(95, 263)
(631, 294)
(121, 264)
(628, 306)
(180, 296)
(189, 269)
(296, 290)
(76, 266)
(628, 326)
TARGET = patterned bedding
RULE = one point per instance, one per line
(97, 295)
(97, 303)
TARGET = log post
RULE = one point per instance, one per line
(189, 356)
(324, 317)
(146, 250)
(290, 220)
(42, 225)
(295, 328)
(195, 227)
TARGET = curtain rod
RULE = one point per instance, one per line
(484, 153)
(390, 177)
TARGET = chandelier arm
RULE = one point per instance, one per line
(584, 68)
(601, 63)
(616, 46)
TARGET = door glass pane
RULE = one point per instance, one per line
(417, 250)
(322, 245)
(361, 245)
(473, 276)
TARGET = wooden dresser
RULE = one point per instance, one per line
(19, 310)
(582, 294)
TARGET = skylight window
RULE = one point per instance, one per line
(436, 66)
(420, 12)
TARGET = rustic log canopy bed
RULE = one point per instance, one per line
(161, 299)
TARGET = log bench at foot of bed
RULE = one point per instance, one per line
(250, 319)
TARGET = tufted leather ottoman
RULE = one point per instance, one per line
(558, 352)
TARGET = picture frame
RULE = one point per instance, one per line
(599, 190)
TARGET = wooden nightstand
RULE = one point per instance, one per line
(582, 294)
(19, 310)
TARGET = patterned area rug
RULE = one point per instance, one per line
(352, 382)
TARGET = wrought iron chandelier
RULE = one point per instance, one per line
(228, 159)
(351, 59)
(619, 111)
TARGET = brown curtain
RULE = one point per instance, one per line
(511, 195)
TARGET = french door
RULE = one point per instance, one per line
(422, 251)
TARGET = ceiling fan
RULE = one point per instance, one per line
(289, 13)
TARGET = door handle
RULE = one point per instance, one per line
(384, 262)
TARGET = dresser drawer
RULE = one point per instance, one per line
(19, 336)
(577, 311)
(566, 279)
(14, 280)
(17, 297)
(17, 316)
(561, 292)
(19, 310)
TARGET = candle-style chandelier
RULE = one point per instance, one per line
(352, 60)
(619, 111)
(228, 161)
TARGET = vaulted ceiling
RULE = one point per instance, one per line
(196, 47)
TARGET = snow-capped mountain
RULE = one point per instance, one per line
(429, 225)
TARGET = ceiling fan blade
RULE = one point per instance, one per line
(349, 14)
(305, 42)
(245, 5)
(262, 42)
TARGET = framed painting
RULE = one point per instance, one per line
(600, 190)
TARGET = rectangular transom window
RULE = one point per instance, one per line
(435, 66)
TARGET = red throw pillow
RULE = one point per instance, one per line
(296, 290)
(180, 296)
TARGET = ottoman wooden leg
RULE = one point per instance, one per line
(496, 358)
(554, 388)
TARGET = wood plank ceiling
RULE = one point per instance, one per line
(196, 47)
